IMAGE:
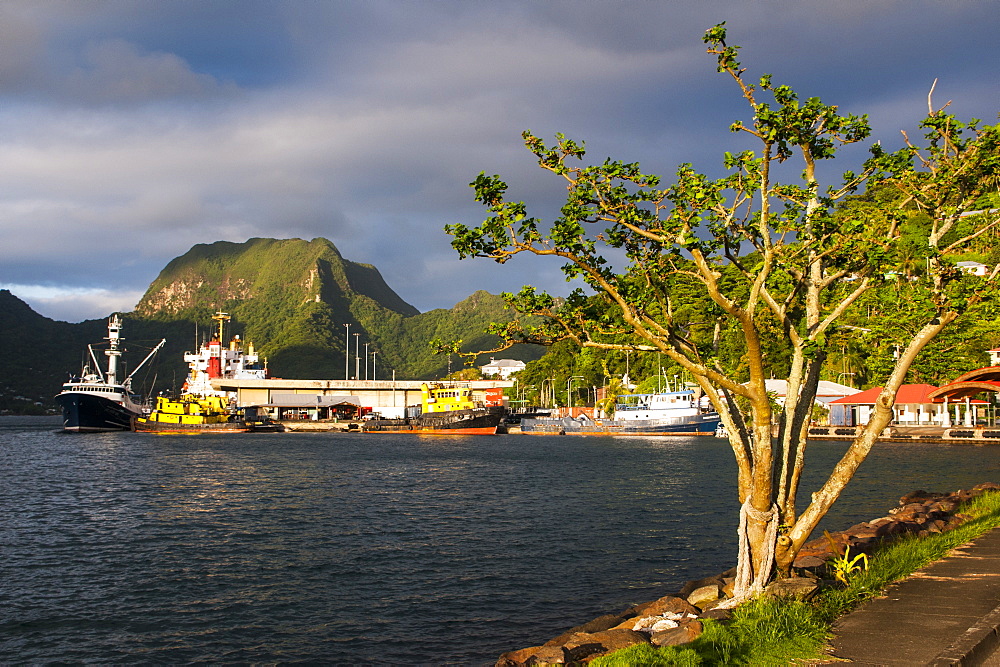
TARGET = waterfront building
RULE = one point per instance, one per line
(915, 405)
(389, 398)
(502, 368)
(826, 391)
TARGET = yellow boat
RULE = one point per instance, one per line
(191, 413)
(444, 410)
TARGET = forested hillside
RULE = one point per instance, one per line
(291, 298)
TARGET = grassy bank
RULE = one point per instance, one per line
(770, 631)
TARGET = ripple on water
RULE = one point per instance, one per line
(345, 548)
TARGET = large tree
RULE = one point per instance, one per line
(777, 265)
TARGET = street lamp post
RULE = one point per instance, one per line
(569, 386)
(366, 360)
(373, 363)
(548, 398)
(357, 356)
(347, 353)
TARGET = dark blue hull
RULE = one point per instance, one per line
(89, 413)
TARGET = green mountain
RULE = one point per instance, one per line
(38, 354)
(292, 298)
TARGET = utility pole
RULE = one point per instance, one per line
(347, 353)
(357, 357)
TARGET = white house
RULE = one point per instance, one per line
(502, 368)
(826, 391)
(973, 268)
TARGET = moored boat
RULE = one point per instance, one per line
(190, 413)
(96, 401)
(215, 360)
(667, 413)
(201, 408)
(444, 410)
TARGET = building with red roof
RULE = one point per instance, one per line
(915, 405)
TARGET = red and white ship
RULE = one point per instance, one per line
(213, 360)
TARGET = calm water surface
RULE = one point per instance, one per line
(401, 549)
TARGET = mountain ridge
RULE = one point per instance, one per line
(308, 310)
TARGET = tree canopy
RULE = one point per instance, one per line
(732, 278)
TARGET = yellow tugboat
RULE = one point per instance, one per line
(192, 414)
(444, 410)
(202, 408)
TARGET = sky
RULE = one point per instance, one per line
(132, 130)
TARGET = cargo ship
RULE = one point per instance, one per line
(200, 407)
(443, 410)
(95, 401)
(666, 413)
(215, 360)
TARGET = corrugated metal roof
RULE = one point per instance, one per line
(310, 401)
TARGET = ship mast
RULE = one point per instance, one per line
(215, 365)
(221, 318)
(114, 330)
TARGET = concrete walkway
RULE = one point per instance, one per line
(945, 614)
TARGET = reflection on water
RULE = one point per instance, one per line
(352, 548)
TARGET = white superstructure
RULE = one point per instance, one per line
(213, 360)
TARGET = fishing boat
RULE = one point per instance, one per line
(665, 413)
(443, 410)
(96, 401)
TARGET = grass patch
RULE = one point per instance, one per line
(770, 631)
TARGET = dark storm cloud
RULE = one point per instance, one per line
(133, 130)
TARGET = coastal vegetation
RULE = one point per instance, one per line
(779, 631)
(759, 274)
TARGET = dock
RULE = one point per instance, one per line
(956, 435)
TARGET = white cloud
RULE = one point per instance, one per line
(124, 142)
(74, 304)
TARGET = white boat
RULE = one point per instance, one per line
(100, 402)
(667, 413)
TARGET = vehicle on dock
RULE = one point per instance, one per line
(444, 410)
(666, 413)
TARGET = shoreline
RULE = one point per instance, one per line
(676, 619)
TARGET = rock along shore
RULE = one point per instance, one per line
(676, 619)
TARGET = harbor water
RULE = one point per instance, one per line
(351, 548)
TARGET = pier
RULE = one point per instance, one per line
(968, 435)
(388, 397)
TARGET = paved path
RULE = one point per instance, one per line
(945, 614)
